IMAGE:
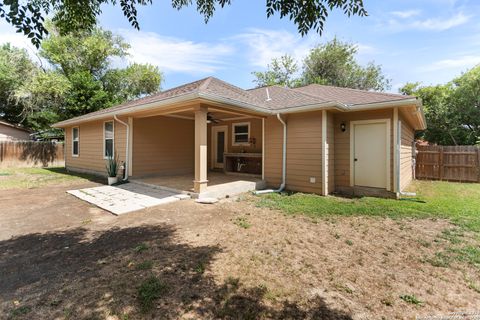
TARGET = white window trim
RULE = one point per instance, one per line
(113, 138)
(78, 139)
(388, 147)
(233, 134)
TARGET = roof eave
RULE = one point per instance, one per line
(162, 103)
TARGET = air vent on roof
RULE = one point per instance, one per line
(268, 95)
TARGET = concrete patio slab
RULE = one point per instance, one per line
(125, 198)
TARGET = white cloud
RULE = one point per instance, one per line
(262, 45)
(442, 24)
(405, 14)
(466, 61)
(176, 55)
(433, 24)
(8, 34)
(366, 49)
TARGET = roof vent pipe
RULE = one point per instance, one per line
(268, 94)
(284, 160)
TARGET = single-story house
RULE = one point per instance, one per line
(316, 139)
(12, 132)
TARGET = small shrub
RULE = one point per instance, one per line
(20, 311)
(242, 222)
(149, 291)
(349, 242)
(141, 247)
(200, 267)
(411, 299)
(145, 265)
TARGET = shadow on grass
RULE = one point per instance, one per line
(79, 274)
(64, 171)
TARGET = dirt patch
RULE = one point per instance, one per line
(61, 258)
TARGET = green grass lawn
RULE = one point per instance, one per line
(456, 202)
(459, 202)
(26, 178)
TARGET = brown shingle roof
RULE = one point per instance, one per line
(278, 98)
(350, 96)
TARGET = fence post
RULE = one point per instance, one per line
(478, 164)
(440, 162)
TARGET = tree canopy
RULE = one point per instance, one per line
(452, 110)
(281, 71)
(78, 78)
(333, 63)
(28, 16)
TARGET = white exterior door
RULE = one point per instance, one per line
(219, 144)
(370, 157)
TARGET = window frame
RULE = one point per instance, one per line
(239, 124)
(104, 139)
(77, 140)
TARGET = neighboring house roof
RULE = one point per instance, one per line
(8, 124)
(265, 100)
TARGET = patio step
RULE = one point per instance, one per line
(230, 189)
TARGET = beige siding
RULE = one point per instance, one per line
(90, 156)
(8, 133)
(273, 151)
(255, 132)
(304, 151)
(331, 151)
(342, 143)
(163, 146)
(407, 138)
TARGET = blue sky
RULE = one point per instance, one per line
(430, 41)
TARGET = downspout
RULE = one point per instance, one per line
(126, 163)
(284, 160)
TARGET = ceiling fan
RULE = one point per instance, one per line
(211, 118)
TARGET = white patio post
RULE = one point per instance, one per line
(200, 182)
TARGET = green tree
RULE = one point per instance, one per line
(84, 58)
(77, 79)
(134, 81)
(466, 103)
(452, 110)
(280, 71)
(69, 15)
(334, 63)
(15, 68)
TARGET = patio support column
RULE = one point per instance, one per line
(200, 182)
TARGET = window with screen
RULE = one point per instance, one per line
(108, 139)
(75, 141)
(241, 132)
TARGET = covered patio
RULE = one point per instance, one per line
(200, 149)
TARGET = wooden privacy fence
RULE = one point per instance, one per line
(31, 154)
(452, 163)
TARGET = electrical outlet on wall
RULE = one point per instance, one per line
(313, 179)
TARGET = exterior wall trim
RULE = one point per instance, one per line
(324, 154)
(395, 151)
